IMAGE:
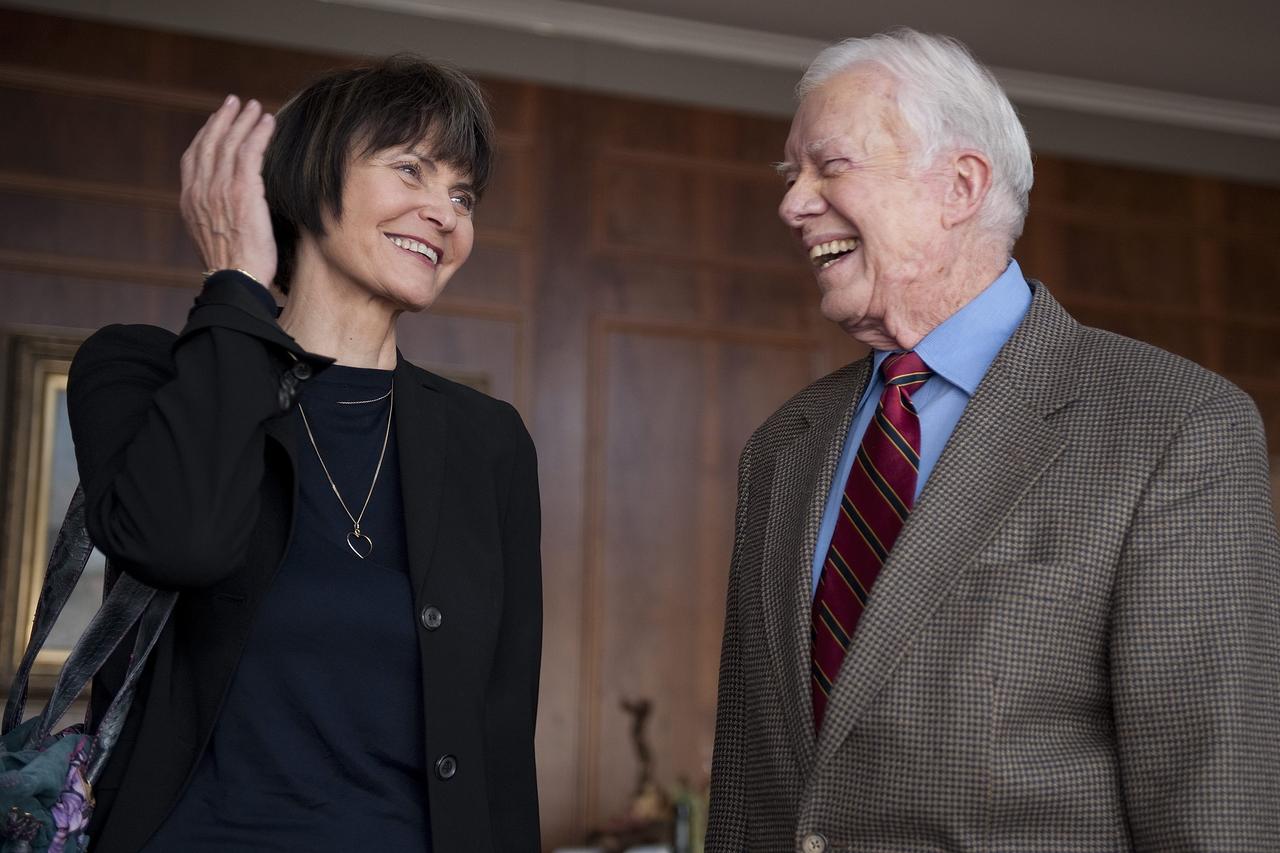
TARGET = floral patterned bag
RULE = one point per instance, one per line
(46, 778)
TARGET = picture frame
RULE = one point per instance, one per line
(39, 478)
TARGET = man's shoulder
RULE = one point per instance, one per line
(838, 389)
(1117, 368)
(1116, 375)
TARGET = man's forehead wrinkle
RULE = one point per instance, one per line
(817, 145)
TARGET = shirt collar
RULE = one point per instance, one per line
(963, 346)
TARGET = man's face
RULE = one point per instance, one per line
(869, 219)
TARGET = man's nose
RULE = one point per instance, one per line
(801, 200)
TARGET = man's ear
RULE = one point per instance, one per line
(968, 182)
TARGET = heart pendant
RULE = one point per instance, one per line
(360, 544)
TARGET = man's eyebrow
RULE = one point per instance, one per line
(818, 144)
(787, 167)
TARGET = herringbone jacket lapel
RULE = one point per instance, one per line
(802, 475)
(1003, 443)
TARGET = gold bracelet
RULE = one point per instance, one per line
(208, 273)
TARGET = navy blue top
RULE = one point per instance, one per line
(319, 745)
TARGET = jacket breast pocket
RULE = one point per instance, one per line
(1009, 581)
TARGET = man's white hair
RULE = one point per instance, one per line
(950, 102)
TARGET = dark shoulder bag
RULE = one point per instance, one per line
(47, 778)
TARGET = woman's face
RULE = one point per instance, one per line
(405, 229)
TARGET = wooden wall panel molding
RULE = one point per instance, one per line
(759, 299)
(702, 331)
(472, 345)
(1123, 266)
(1251, 272)
(762, 172)
(83, 190)
(646, 208)
(672, 377)
(102, 88)
(96, 268)
(623, 253)
(130, 195)
(1250, 206)
(1122, 224)
(96, 229)
(187, 278)
(1135, 193)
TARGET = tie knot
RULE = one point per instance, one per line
(905, 370)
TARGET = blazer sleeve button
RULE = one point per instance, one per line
(288, 390)
(813, 843)
(446, 767)
(432, 618)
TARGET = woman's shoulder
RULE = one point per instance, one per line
(121, 340)
(472, 409)
(123, 346)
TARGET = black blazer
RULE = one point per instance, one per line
(188, 473)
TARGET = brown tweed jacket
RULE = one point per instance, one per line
(1074, 646)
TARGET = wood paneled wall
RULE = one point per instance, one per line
(632, 292)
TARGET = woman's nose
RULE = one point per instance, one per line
(438, 209)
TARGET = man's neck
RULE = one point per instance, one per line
(933, 304)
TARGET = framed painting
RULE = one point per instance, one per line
(40, 477)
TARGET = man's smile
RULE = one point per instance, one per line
(825, 254)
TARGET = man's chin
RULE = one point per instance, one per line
(866, 330)
(839, 308)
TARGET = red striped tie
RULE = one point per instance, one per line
(877, 497)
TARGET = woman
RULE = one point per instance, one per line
(353, 660)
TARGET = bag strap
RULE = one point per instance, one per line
(123, 607)
(71, 552)
(150, 626)
(127, 602)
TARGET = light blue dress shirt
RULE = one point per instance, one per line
(958, 351)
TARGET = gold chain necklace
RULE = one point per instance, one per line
(356, 539)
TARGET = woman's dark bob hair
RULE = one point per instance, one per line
(354, 112)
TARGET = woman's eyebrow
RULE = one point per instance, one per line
(423, 157)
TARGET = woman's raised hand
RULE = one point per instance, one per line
(224, 203)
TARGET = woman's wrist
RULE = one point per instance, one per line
(210, 273)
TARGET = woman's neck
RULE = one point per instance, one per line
(353, 327)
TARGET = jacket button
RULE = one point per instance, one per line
(446, 766)
(813, 843)
(302, 370)
(431, 618)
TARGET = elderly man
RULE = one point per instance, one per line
(1008, 583)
